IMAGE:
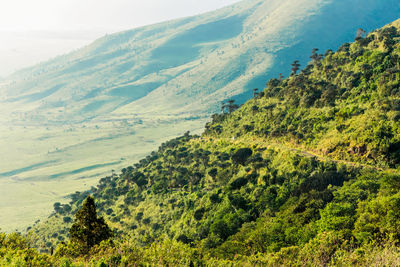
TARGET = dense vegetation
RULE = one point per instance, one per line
(345, 105)
(306, 173)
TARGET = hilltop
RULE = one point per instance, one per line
(306, 172)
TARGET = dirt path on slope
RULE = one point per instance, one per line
(312, 154)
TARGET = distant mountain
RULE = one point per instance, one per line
(188, 66)
(66, 122)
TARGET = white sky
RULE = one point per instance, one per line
(32, 31)
(96, 14)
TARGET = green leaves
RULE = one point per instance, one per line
(88, 229)
(241, 155)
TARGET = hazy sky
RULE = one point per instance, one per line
(35, 30)
(96, 14)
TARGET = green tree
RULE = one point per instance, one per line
(295, 67)
(57, 207)
(360, 33)
(89, 230)
(232, 106)
(315, 56)
(241, 155)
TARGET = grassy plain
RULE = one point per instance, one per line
(41, 165)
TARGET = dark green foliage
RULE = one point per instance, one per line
(220, 229)
(241, 155)
(57, 207)
(184, 239)
(215, 198)
(213, 172)
(198, 214)
(295, 67)
(238, 183)
(88, 229)
(67, 219)
(139, 216)
(139, 178)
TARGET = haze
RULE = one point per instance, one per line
(33, 31)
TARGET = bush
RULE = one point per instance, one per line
(238, 183)
(67, 219)
(198, 214)
(241, 155)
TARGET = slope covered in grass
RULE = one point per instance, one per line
(260, 185)
(148, 85)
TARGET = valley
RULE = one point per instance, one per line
(305, 173)
(67, 122)
(59, 160)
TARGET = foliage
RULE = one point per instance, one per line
(15, 251)
(88, 230)
(306, 174)
(344, 105)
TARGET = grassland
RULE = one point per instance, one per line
(44, 164)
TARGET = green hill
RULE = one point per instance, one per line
(306, 173)
(68, 121)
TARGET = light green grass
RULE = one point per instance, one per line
(71, 161)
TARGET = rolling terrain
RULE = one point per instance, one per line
(306, 173)
(66, 122)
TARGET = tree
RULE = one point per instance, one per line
(241, 155)
(57, 207)
(66, 208)
(315, 56)
(213, 172)
(232, 106)
(256, 94)
(89, 230)
(139, 178)
(223, 107)
(295, 67)
(360, 33)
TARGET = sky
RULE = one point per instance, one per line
(32, 31)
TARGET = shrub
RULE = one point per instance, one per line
(241, 155)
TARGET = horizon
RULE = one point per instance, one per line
(45, 29)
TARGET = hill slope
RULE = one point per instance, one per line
(261, 185)
(66, 122)
(191, 64)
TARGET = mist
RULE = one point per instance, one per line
(35, 31)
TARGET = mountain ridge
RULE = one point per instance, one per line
(105, 49)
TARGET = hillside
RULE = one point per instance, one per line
(190, 65)
(70, 120)
(306, 173)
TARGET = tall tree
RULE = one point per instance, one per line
(88, 229)
(223, 107)
(315, 56)
(360, 33)
(232, 106)
(255, 93)
(295, 67)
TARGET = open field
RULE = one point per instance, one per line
(42, 165)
